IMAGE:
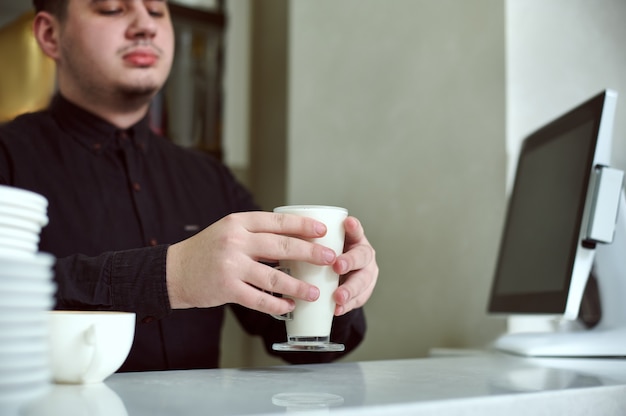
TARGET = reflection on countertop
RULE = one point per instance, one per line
(77, 400)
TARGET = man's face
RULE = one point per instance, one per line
(116, 46)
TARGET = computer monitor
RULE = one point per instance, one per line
(565, 220)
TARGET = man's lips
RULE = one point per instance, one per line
(141, 58)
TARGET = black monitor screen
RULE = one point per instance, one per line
(544, 217)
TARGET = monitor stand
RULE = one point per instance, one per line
(608, 338)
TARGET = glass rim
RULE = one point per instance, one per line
(309, 207)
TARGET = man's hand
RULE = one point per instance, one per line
(357, 267)
(224, 263)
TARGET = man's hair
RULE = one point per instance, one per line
(57, 8)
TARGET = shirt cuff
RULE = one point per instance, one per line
(138, 282)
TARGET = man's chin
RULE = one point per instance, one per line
(139, 92)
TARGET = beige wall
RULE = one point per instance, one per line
(396, 110)
(552, 67)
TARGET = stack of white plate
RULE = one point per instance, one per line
(22, 216)
(26, 294)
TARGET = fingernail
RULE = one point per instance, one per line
(314, 293)
(292, 305)
(320, 228)
(329, 256)
(343, 266)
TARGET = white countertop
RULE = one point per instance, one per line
(473, 385)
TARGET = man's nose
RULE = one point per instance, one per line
(142, 24)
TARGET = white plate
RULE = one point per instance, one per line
(39, 218)
(24, 360)
(26, 287)
(31, 272)
(12, 193)
(25, 205)
(26, 302)
(40, 259)
(43, 339)
(28, 325)
(28, 310)
(16, 332)
(18, 377)
(10, 332)
(37, 265)
(22, 196)
(34, 345)
(18, 288)
(28, 347)
(18, 244)
(23, 317)
(17, 234)
(20, 224)
(15, 252)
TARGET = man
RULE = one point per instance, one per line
(142, 225)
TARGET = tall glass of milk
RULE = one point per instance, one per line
(309, 325)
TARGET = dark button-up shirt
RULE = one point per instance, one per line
(117, 200)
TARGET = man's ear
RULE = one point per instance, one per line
(46, 29)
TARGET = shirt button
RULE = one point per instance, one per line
(147, 319)
(153, 242)
(136, 186)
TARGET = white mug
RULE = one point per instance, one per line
(309, 325)
(89, 346)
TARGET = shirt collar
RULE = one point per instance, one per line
(93, 132)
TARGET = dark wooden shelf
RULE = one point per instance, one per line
(215, 18)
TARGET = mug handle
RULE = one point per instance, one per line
(90, 338)
(289, 315)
